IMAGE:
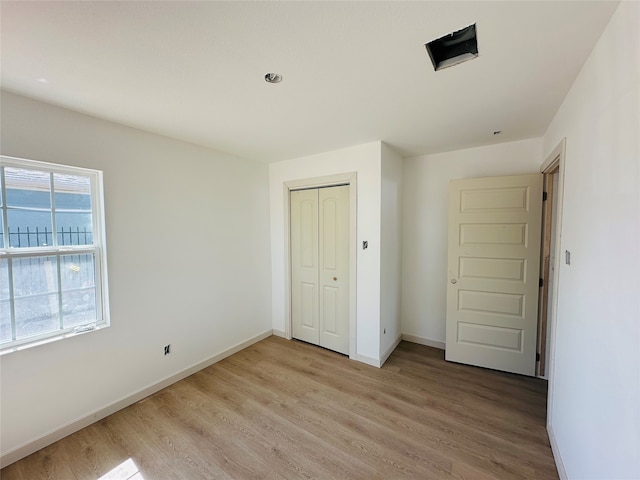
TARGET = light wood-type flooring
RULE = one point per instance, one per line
(285, 409)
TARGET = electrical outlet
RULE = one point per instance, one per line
(167, 349)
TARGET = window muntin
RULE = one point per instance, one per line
(52, 252)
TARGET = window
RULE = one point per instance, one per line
(52, 252)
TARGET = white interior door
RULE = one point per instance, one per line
(304, 266)
(334, 268)
(493, 268)
(320, 267)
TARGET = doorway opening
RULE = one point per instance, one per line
(552, 170)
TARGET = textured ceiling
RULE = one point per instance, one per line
(354, 72)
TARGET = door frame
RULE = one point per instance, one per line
(350, 179)
(555, 159)
(547, 271)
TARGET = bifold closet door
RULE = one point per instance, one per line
(320, 267)
(304, 266)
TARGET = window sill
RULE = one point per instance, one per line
(44, 341)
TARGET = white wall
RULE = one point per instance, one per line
(594, 400)
(391, 251)
(426, 203)
(188, 246)
(365, 161)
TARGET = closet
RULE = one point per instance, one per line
(319, 226)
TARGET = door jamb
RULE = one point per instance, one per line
(545, 267)
(349, 178)
(555, 159)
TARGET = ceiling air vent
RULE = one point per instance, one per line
(454, 48)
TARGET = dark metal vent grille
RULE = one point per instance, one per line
(454, 48)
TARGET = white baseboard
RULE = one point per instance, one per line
(424, 341)
(368, 360)
(390, 350)
(279, 333)
(75, 425)
(562, 473)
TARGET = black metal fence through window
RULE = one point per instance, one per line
(44, 237)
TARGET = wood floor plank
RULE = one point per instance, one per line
(90, 453)
(287, 410)
(438, 399)
(44, 464)
(503, 470)
(259, 404)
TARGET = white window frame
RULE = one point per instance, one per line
(98, 250)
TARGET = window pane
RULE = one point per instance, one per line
(29, 228)
(73, 192)
(27, 188)
(5, 306)
(2, 245)
(74, 228)
(28, 207)
(78, 289)
(74, 219)
(35, 283)
(5, 321)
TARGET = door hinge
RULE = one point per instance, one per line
(537, 357)
(544, 196)
(540, 282)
